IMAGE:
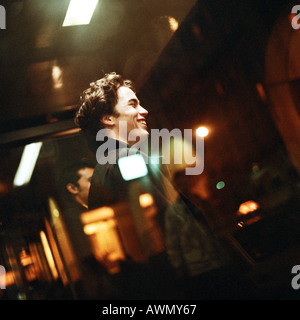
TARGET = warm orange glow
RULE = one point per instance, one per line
(49, 255)
(93, 227)
(25, 258)
(9, 278)
(39, 263)
(57, 77)
(55, 250)
(261, 91)
(30, 273)
(106, 243)
(202, 131)
(102, 213)
(173, 23)
(27, 263)
(241, 224)
(291, 16)
(247, 207)
(146, 200)
(4, 187)
(100, 225)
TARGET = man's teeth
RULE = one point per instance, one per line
(143, 121)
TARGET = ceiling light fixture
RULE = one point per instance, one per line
(27, 164)
(79, 12)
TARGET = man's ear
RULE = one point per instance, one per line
(72, 188)
(108, 120)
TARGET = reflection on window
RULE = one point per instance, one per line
(63, 242)
(100, 225)
(27, 163)
(49, 255)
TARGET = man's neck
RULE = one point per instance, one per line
(112, 134)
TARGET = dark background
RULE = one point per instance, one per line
(221, 68)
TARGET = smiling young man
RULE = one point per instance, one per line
(110, 106)
(110, 109)
(107, 103)
(129, 110)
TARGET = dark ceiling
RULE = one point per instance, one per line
(44, 66)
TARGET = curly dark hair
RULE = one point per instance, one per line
(99, 100)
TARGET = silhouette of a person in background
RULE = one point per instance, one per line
(75, 182)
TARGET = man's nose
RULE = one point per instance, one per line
(142, 110)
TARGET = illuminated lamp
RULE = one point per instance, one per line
(247, 207)
(79, 12)
(103, 213)
(27, 164)
(202, 131)
(146, 200)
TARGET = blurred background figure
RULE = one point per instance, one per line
(75, 183)
(78, 181)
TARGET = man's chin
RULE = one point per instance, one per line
(142, 132)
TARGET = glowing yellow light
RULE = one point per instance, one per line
(248, 206)
(53, 207)
(57, 77)
(202, 131)
(102, 213)
(92, 228)
(25, 258)
(146, 200)
(173, 23)
(79, 12)
(9, 279)
(48, 255)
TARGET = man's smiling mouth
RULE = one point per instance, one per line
(142, 121)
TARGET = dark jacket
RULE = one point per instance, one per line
(138, 230)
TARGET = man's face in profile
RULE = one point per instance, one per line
(84, 184)
(131, 112)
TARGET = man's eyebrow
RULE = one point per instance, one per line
(134, 100)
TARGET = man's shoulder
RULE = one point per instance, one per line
(103, 173)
